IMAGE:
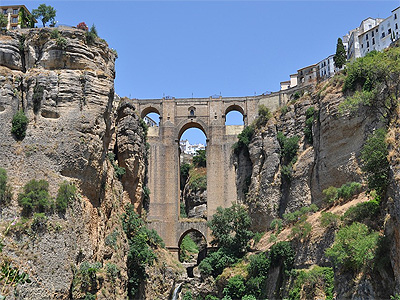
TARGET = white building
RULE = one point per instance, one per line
(326, 67)
(353, 45)
(149, 121)
(187, 148)
(382, 35)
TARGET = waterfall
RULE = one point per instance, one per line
(176, 291)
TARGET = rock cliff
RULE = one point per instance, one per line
(65, 86)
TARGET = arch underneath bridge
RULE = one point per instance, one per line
(177, 115)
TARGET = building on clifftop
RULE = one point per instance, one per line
(12, 14)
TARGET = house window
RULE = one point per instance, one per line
(367, 44)
(15, 11)
(389, 31)
(373, 33)
(373, 41)
(395, 16)
(14, 27)
(192, 112)
(383, 35)
(376, 30)
(14, 20)
(362, 45)
(366, 36)
(395, 26)
(4, 11)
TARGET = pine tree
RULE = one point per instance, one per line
(340, 57)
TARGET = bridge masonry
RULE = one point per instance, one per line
(207, 114)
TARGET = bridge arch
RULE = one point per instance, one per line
(235, 107)
(197, 234)
(187, 124)
(149, 109)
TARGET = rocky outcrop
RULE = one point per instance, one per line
(195, 194)
(67, 92)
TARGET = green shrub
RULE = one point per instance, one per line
(112, 271)
(296, 215)
(282, 253)
(331, 194)
(19, 125)
(329, 219)
(263, 116)
(301, 229)
(89, 296)
(188, 296)
(111, 239)
(354, 247)
(187, 249)
(5, 188)
(85, 278)
(231, 229)
(216, 262)
(140, 254)
(66, 194)
(309, 121)
(257, 236)
(276, 225)
(244, 139)
(284, 109)
(91, 35)
(197, 180)
(119, 171)
(39, 222)
(345, 192)
(37, 97)
(289, 147)
(235, 288)
(374, 161)
(61, 43)
(182, 208)
(362, 212)
(259, 265)
(317, 279)
(35, 197)
(199, 160)
(54, 34)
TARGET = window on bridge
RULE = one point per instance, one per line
(193, 174)
(192, 249)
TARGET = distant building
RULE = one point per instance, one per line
(353, 44)
(187, 148)
(326, 68)
(12, 14)
(149, 121)
(307, 75)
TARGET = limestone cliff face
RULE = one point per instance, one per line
(67, 93)
(332, 159)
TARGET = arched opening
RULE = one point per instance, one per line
(192, 249)
(234, 120)
(151, 117)
(192, 172)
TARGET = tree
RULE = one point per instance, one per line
(231, 229)
(3, 21)
(199, 160)
(45, 13)
(340, 57)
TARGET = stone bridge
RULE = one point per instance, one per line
(207, 114)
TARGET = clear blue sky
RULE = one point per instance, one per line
(235, 48)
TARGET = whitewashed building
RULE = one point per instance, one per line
(353, 45)
(326, 67)
(187, 148)
(382, 35)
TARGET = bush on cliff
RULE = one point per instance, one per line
(35, 197)
(19, 125)
(141, 243)
(5, 188)
(66, 194)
